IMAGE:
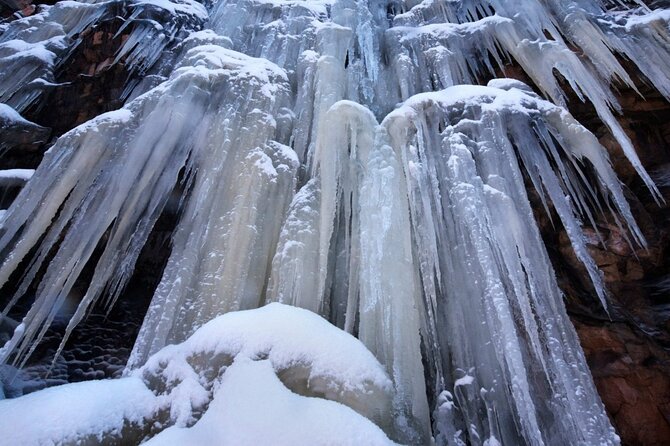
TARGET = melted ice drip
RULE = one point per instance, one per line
(415, 234)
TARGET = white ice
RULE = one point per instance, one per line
(333, 155)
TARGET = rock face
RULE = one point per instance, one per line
(631, 374)
(90, 84)
(86, 86)
(628, 349)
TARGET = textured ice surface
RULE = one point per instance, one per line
(471, 218)
(124, 187)
(334, 155)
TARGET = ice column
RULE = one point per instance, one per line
(99, 186)
(513, 370)
(346, 252)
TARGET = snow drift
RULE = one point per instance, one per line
(276, 374)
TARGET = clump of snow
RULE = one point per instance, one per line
(15, 177)
(9, 116)
(244, 378)
(252, 407)
(77, 411)
(17, 174)
(464, 381)
(16, 130)
(311, 356)
(184, 7)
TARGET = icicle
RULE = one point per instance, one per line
(390, 298)
(472, 218)
(222, 250)
(32, 48)
(345, 252)
(100, 179)
(17, 131)
(241, 190)
(452, 54)
(154, 25)
(29, 47)
(294, 279)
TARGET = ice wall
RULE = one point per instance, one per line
(336, 155)
(123, 186)
(481, 226)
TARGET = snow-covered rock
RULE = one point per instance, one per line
(275, 375)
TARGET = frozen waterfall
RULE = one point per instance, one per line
(363, 160)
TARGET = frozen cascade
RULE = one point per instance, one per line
(33, 48)
(183, 120)
(332, 155)
(471, 218)
(363, 272)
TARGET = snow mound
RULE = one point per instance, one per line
(76, 412)
(311, 357)
(229, 383)
(252, 407)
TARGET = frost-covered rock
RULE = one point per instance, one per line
(89, 411)
(33, 48)
(18, 131)
(310, 356)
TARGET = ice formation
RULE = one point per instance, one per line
(362, 160)
(33, 48)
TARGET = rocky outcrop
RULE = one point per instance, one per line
(628, 349)
(631, 373)
(89, 83)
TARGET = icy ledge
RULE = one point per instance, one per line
(228, 382)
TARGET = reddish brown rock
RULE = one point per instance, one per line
(629, 350)
(632, 380)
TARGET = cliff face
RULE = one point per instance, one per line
(628, 350)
